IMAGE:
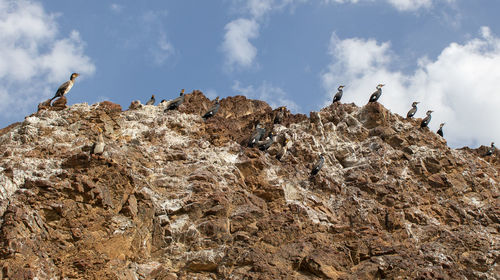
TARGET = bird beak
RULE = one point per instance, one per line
(76, 74)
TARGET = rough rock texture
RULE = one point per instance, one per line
(174, 197)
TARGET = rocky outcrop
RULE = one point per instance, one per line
(177, 197)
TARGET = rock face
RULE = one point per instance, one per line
(174, 197)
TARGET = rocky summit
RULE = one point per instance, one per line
(176, 197)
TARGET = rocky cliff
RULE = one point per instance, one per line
(174, 197)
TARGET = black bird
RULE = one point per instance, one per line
(212, 110)
(376, 95)
(318, 165)
(413, 110)
(338, 95)
(65, 88)
(151, 100)
(491, 150)
(176, 102)
(256, 135)
(440, 130)
(264, 145)
(427, 119)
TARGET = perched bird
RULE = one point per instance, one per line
(440, 130)
(135, 105)
(212, 110)
(281, 153)
(98, 147)
(176, 102)
(64, 88)
(264, 145)
(491, 150)
(338, 95)
(280, 114)
(376, 95)
(413, 110)
(151, 101)
(256, 135)
(427, 119)
(317, 167)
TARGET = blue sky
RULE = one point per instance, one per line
(443, 53)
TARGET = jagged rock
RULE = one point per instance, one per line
(174, 197)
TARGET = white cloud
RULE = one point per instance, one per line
(116, 8)
(401, 5)
(237, 47)
(460, 85)
(163, 49)
(34, 60)
(407, 5)
(152, 25)
(274, 96)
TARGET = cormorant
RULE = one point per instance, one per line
(64, 88)
(264, 145)
(318, 165)
(440, 130)
(176, 102)
(376, 95)
(338, 95)
(212, 110)
(413, 110)
(491, 150)
(278, 117)
(98, 147)
(257, 134)
(427, 119)
(151, 101)
(281, 153)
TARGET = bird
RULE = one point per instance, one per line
(98, 147)
(65, 88)
(413, 110)
(282, 152)
(264, 145)
(212, 110)
(317, 167)
(151, 101)
(176, 102)
(256, 135)
(491, 150)
(376, 95)
(280, 114)
(338, 95)
(440, 130)
(427, 119)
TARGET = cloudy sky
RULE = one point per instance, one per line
(443, 53)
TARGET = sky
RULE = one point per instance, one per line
(295, 53)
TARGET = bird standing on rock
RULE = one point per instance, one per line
(427, 119)
(212, 110)
(264, 145)
(66, 87)
(440, 130)
(376, 95)
(413, 110)
(284, 148)
(491, 150)
(256, 135)
(176, 102)
(151, 101)
(317, 167)
(98, 147)
(338, 95)
(280, 114)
